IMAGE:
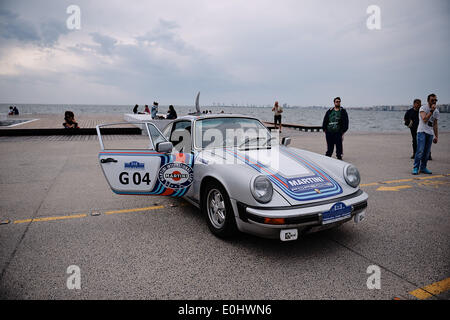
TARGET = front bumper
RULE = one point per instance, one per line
(306, 218)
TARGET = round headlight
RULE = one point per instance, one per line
(261, 188)
(351, 175)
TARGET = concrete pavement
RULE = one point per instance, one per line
(167, 252)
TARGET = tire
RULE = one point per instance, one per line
(216, 206)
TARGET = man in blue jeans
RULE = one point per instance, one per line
(427, 133)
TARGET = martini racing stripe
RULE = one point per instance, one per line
(282, 182)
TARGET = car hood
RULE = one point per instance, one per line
(297, 175)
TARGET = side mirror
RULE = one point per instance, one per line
(164, 147)
(286, 141)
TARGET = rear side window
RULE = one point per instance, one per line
(181, 136)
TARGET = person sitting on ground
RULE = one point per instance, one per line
(146, 110)
(11, 111)
(70, 122)
(16, 111)
(171, 113)
(135, 109)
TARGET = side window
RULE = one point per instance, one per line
(156, 135)
(181, 136)
(167, 131)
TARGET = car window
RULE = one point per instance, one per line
(181, 136)
(156, 136)
(167, 131)
(230, 132)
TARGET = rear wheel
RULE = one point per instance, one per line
(219, 212)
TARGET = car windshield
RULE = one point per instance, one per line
(231, 132)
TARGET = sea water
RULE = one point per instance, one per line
(359, 120)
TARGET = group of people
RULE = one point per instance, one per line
(423, 123)
(421, 119)
(13, 111)
(171, 113)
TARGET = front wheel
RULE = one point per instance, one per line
(219, 212)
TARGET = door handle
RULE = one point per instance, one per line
(108, 160)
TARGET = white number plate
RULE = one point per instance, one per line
(289, 234)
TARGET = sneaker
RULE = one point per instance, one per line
(415, 171)
(426, 171)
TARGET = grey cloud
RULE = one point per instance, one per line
(106, 43)
(51, 31)
(13, 27)
(164, 36)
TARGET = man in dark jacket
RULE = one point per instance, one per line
(412, 122)
(335, 124)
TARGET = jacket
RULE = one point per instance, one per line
(343, 122)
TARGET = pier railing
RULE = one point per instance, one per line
(271, 125)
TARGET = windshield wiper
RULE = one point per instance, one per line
(257, 146)
(251, 139)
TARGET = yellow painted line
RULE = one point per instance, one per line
(369, 184)
(134, 210)
(431, 177)
(403, 180)
(74, 216)
(22, 221)
(396, 188)
(433, 289)
(399, 181)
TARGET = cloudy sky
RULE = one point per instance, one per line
(233, 51)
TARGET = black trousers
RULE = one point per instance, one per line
(334, 138)
(414, 139)
(277, 119)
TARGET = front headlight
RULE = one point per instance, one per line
(261, 188)
(351, 175)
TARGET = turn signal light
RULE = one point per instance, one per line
(274, 220)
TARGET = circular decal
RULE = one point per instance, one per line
(176, 175)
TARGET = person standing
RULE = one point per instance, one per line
(412, 122)
(154, 110)
(427, 133)
(335, 124)
(277, 114)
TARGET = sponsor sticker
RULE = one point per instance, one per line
(176, 175)
(309, 183)
(134, 165)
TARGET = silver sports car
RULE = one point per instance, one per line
(238, 174)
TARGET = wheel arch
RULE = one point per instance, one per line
(210, 179)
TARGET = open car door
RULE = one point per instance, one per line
(153, 171)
